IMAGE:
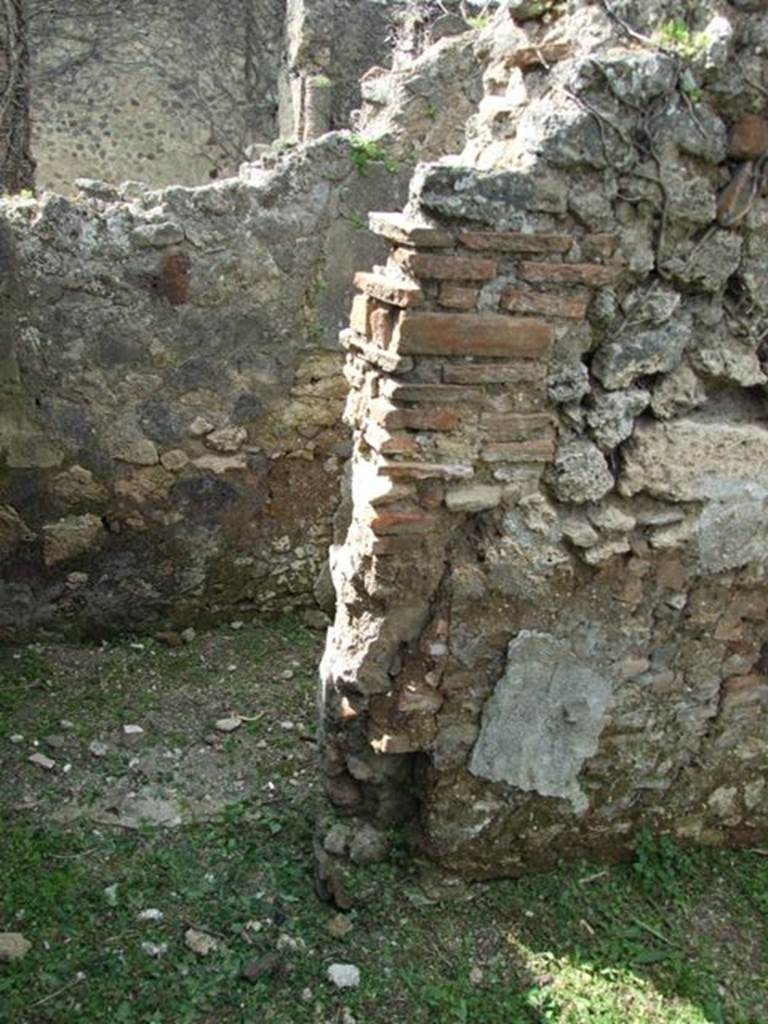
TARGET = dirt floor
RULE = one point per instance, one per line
(161, 869)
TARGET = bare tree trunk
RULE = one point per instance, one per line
(17, 168)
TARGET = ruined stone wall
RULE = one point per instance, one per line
(332, 44)
(170, 392)
(552, 620)
(177, 93)
(170, 428)
(163, 93)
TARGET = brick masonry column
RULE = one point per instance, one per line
(447, 402)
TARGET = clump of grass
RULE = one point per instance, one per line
(675, 35)
(366, 151)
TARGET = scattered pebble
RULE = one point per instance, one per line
(200, 943)
(169, 638)
(98, 749)
(291, 942)
(188, 635)
(262, 745)
(54, 741)
(316, 619)
(236, 625)
(151, 914)
(344, 975)
(336, 840)
(154, 949)
(42, 761)
(250, 928)
(13, 946)
(67, 725)
(132, 730)
(339, 926)
(476, 976)
(287, 674)
(288, 726)
(228, 724)
(110, 894)
(16, 738)
(306, 995)
(267, 965)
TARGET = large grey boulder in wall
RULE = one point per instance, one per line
(543, 719)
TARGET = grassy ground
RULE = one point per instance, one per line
(678, 937)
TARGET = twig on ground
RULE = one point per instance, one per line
(592, 878)
(58, 992)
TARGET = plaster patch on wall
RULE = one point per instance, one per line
(543, 720)
(730, 534)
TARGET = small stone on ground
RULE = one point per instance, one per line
(42, 762)
(229, 724)
(267, 965)
(13, 946)
(339, 926)
(344, 975)
(200, 943)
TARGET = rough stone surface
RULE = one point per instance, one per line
(200, 943)
(612, 415)
(344, 975)
(13, 946)
(564, 668)
(580, 473)
(618, 363)
(191, 397)
(246, 69)
(543, 720)
(692, 460)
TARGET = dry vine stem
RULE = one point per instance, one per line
(17, 167)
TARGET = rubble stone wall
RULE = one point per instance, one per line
(552, 623)
(163, 93)
(171, 442)
(180, 92)
(171, 392)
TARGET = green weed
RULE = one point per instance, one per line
(676, 36)
(365, 152)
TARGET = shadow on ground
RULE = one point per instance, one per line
(679, 937)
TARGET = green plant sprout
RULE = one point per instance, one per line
(366, 151)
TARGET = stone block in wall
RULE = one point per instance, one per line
(517, 427)
(458, 298)
(570, 305)
(523, 372)
(515, 241)
(360, 314)
(396, 418)
(429, 266)
(71, 536)
(398, 228)
(480, 334)
(396, 293)
(594, 275)
(395, 523)
(544, 719)
(695, 460)
(473, 497)
(542, 450)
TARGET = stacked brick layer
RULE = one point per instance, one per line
(447, 358)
